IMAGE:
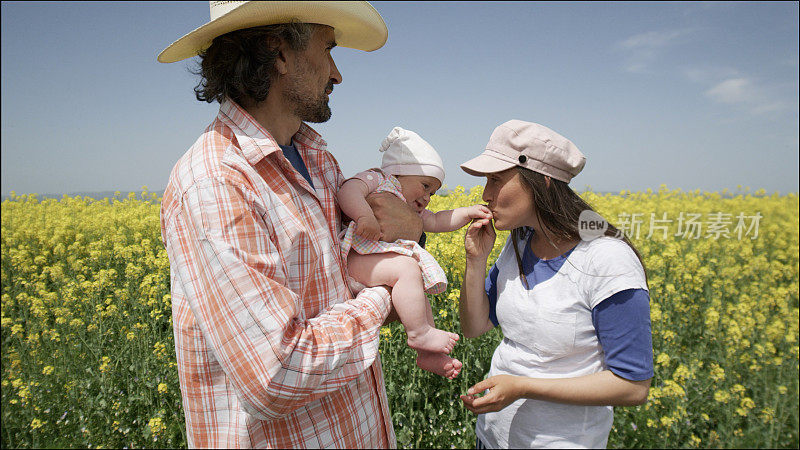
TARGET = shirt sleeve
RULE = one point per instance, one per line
(370, 177)
(622, 323)
(613, 267)
(233, 275)
(491, 292)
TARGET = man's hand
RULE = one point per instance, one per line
(396, 218)
(368, 227)
(392, 317)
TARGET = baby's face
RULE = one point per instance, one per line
(417, 189)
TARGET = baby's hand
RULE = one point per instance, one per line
(368, 227)
(477, 212)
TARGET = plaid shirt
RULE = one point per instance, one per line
(271, 349)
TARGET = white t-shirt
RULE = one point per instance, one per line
(548, 333)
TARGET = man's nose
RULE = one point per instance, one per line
(336, 76)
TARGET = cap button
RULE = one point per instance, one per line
(522, 159)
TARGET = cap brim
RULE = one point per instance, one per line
(357, 25)
(483, 164)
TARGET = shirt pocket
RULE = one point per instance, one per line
(554, 333)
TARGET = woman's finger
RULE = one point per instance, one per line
(481, 386)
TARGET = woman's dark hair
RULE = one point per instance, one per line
(558, 209)
(240, 64)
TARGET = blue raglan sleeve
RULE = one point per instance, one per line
(622, 323)
(491, 292)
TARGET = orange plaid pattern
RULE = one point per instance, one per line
(271, 349)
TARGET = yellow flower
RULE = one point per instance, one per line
(160, 350)
(722, 396)
(36, 424)
(24, 393)
(667, 421)
(162, 388)
(386, 331)
(104, 364)
(681, 373)
(47, 370)
(694, 441)
(156, 425)
(662, 359)
(130, 335)
(673, 389)
(716, 373)
(767, 414)
(782, 390)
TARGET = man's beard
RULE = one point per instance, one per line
(306, 106)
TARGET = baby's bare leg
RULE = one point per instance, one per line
(402, 273)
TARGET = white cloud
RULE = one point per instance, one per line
(642, 49)
(731, 91)
(652, 39)
(744, 92)
(709, 74)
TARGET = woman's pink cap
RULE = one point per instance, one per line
(529, 145)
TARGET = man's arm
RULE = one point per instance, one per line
(233, 275)
(396, 218)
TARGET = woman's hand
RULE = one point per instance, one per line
(479, 240)
(503, 390)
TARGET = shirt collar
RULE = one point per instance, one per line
(255, 141)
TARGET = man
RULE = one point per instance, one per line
(272, 349)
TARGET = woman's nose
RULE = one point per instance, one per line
(486, 197)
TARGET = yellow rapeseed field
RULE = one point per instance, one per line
(88, 357)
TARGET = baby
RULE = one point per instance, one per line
(412, 170)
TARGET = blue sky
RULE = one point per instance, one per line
(691, 95)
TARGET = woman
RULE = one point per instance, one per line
(574, 312)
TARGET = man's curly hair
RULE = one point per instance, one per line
(240, 64)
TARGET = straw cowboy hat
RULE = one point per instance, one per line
(356, 24)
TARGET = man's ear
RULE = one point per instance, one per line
(282, 61)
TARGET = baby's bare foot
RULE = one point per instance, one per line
(439, 363)
(432, 340)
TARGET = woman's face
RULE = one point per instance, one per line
(509, 199)
(417, 189)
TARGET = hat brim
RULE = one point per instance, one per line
(356, 25)
(483, 164)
